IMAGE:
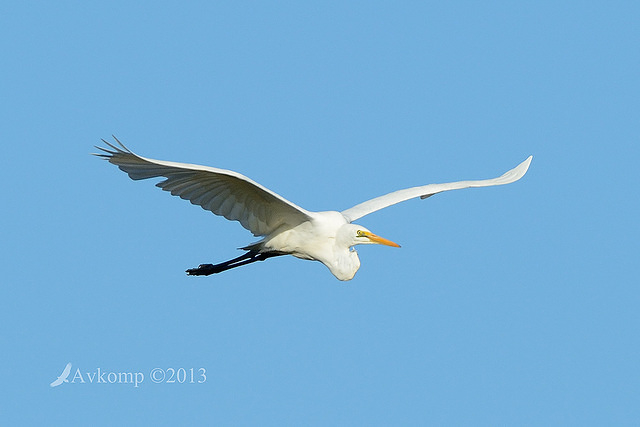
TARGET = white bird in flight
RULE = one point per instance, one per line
(285, 228)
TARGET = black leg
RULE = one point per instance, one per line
(246, 258)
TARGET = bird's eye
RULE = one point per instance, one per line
(360, 233)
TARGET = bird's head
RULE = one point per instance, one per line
(354, 234)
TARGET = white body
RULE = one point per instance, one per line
(318, 239)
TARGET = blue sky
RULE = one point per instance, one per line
(505, 306)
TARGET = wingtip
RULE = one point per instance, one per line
(516, 173)
(104, 155)
(522, 168)
(108, 153)
(121, 144)
(526, 164)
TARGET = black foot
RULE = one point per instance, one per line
(203, 270)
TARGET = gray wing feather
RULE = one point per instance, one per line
(223, 192)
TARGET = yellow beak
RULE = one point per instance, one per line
(381, 240)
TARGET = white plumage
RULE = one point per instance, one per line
(285, 228)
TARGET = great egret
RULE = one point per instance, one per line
(285, 228)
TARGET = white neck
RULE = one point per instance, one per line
(344, 264)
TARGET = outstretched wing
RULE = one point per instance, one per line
(425, 191)
(223, 192)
